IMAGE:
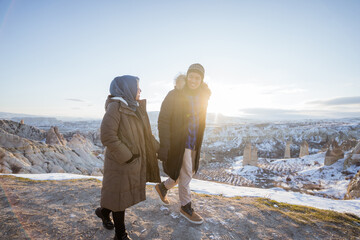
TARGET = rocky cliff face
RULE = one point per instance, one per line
(23, 150)
(92, 135)
(22, 130)
(353, 191)
(354, 157)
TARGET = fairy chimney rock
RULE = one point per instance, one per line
(354, 157)
(250, 155)
(254, 156)
(333, 154)
(247, 154)
(304, 149)
(287, 149)
(54, 137)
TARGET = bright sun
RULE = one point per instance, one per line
(227, 100)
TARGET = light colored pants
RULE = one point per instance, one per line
(186, 173)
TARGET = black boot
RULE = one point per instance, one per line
(107, 223)
(123, 237)
(119, 222)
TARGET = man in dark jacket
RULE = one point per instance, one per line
(181, 127)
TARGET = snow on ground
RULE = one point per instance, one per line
(199, 186)
(332, 180)
(248, 172)
(217, 144)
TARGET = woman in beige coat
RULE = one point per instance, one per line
(130, 154)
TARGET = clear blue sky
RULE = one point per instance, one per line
(263, 59)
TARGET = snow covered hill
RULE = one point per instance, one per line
(270, 138)
(307, 174)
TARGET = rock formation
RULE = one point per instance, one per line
(94, 136)
(21, 155)
(353, 190)
(204, 157)
(247, 154)
(287, 149)
(354, 157)
(22, 130)
(304, 149)
(269, 137)
(250, 155)
(254, 156)
(54, 137)
(333, 154)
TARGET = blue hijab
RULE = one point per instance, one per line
(125, 87)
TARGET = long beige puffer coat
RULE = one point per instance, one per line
(125, 134)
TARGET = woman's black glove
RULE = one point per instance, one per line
(163, 154)
(134, 156)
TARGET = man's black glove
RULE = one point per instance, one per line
(163, 154)
(134, 156)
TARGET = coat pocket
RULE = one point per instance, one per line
(118, 157)
(132, 159)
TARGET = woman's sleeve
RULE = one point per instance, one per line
(109, 134)
(155, 143)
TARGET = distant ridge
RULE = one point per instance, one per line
(19, 116)
(212, 118)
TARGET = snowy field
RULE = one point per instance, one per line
(295, 173)
(207, 187)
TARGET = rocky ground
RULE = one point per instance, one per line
(65, 210)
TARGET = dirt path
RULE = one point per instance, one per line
(65, 210)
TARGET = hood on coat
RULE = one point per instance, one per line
(142, 102)
(180, 81)
(110, 100)
(126, 87)
(205, 90)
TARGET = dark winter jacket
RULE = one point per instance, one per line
(173, 126)
(130, 155)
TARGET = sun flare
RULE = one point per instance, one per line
(227, 100)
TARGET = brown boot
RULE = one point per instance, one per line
(188, 212)
(162, 191)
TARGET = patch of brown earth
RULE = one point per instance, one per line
(65, 210)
